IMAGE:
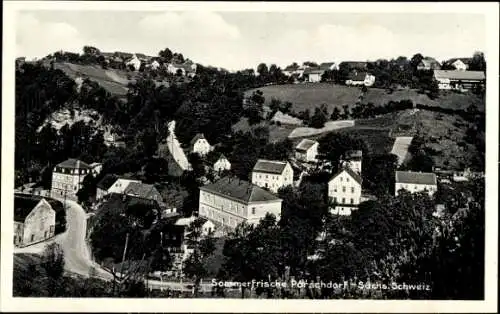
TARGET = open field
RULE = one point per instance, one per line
(447, 99)
(276, 133)
(114, 81)
(310, 95)
(329, 127)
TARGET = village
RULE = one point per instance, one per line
(155, 175)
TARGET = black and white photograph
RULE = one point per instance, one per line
(250, 152)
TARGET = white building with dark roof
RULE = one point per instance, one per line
(231, 201)
(414, 182)
(458, 79)
(222, 164)
(67, 178)
(307, 150)
(272, 174)
(344, 189)
(200, 145)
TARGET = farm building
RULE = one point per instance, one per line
(458, 79)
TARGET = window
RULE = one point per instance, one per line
(266, 176)
(343, 189)
(352, 189)
(343, 200)
(341, 179)
(253, 210)
(347, 179)
(335, 199)
(352, 201)
(334, 188)
(45, 234)
(32, 237)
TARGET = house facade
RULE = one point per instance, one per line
(222, 164)
(414, 182)
(200, 145)
(32, 224)
(272, 174)
(344, 189)
(67, 178)
(231, 201)
(459, 80)
(307, 150)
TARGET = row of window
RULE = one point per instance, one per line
(344, 189)
(229, 221)
(343, 200)
(72, 171)
(405, 186)
(63, 186)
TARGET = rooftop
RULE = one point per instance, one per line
(459, 75)
(107, 181)
(73, 164)
(239, 190)
(357, 76)
(305, 144)
(270, 166)
(410, 177)
(139, 189)
(197, 137)
(351, 173)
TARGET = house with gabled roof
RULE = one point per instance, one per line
(143, 191)
(104, 184)
(429, 63)
(200, 145)
(456, 79)
(460, 64)
(272, 174)
(360, 78)
(414, 182)
(34, 220)
(344, 190)
(314, 75)
(222, 164)
(230, 201)
(307, 150)
(328, 66)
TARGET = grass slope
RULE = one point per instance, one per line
(310, 95)
(114, 81)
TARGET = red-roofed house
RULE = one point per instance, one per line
(344, 188)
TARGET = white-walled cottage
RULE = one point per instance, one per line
(272, 174)
(200, 145)
(307, 150)
(34, 220)
(415, 182)
(344, 189)
(222, 164)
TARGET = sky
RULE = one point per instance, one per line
(238, 40)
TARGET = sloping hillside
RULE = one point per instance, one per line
(114, 81)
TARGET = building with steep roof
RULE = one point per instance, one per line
(307, 150)
(34, 220)
(353, 159)
(67, 178)
(429, 63)
(200, 145)
(414, 182)
(344, 189)
(361, 78)
(231, 201)
(143, 191)
(272, 174)
(222, 164)
(104, 185)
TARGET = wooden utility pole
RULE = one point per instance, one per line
(124, 255)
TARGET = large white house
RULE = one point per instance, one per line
(230, 201)
(272, 174)
(344, 189)
(200, 145)
(353, 159)
(67, 178)
(415, 182)
(307, 150)
(360, 79)
(222, 164)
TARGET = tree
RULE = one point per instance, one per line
(53, 266)
(88, 190)
(262, 70)
(415, 61)
(166, 54)
(318, 119)
(478, 63)
(335, 114)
